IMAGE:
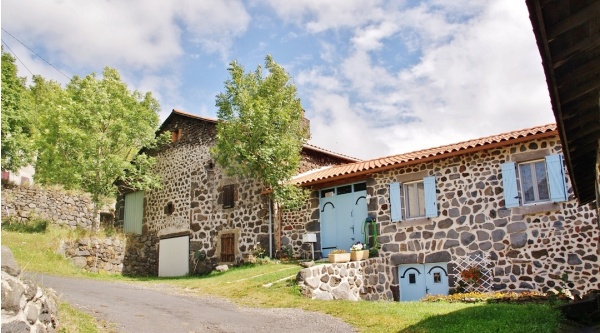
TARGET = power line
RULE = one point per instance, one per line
(13, 52)
(39, 56)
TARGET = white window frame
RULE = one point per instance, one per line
(534, 182)
(406, 198)
(397, 198)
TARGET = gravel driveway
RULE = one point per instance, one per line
(135, 308)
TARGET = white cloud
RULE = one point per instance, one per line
(318, 16)
(478, 74)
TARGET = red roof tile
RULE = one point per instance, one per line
(389, 162)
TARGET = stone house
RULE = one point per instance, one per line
(199, 208)
(502, 205)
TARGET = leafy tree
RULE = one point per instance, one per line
(91, 131)
(262, 129)
(17, 130)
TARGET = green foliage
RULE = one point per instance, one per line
(17, 129)
(262, 131)
(34, 225)
(91, 133)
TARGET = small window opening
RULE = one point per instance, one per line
(360, 187)
(176, 135)
(170, 208)
(344, 189)
(228, 196)
(437, 277)
(412, 278)
(328, 193)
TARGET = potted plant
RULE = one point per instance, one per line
(358, 252)
(339, 256)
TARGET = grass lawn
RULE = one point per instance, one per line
(245, 285)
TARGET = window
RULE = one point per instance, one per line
(412, 278)
(228, 196)
(413, 199)
(169, 208)
(134, 212)
(532, 182)
(176, 135)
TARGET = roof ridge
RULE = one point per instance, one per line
(314, 147)
(391, 161)
(191, 115)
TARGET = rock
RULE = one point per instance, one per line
(222, 268)
(307, 264)
(518, 240)
(80, 262)
(15, 326)
(12, 291)
(9, 265)
(573, 259)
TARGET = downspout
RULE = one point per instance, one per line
(270, 228)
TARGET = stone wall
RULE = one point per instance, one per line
(296, 222)
(26, 307)
(60, 207)
(121, 254)
(141, 255)
(529, 247)
(104, 255)
(367, 279)
(194, 186)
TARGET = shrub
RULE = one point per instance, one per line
(33, 225)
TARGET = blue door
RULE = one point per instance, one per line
(343, 213)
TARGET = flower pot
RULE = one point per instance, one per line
(359, 255)
(339, 257)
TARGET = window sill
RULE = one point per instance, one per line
(417, 221)
(538, 208)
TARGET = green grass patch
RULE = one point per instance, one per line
(75, 321)
(245, 286)
(26, 226)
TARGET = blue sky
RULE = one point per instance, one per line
(375, 77)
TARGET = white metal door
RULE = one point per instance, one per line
(173, 256)
(418, 280)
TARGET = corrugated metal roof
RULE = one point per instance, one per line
(389, 162)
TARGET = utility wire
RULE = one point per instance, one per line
(13, 52)
(39, 56)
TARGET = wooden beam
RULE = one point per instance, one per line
(572, 74)
(584, 45)
(574, 19)
(575, 92)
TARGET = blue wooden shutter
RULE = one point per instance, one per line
(556, 178)
(395, 202)
(430, 197)
(509, 181)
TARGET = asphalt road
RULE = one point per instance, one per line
(134, 308)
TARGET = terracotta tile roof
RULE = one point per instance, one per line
(344, 171)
